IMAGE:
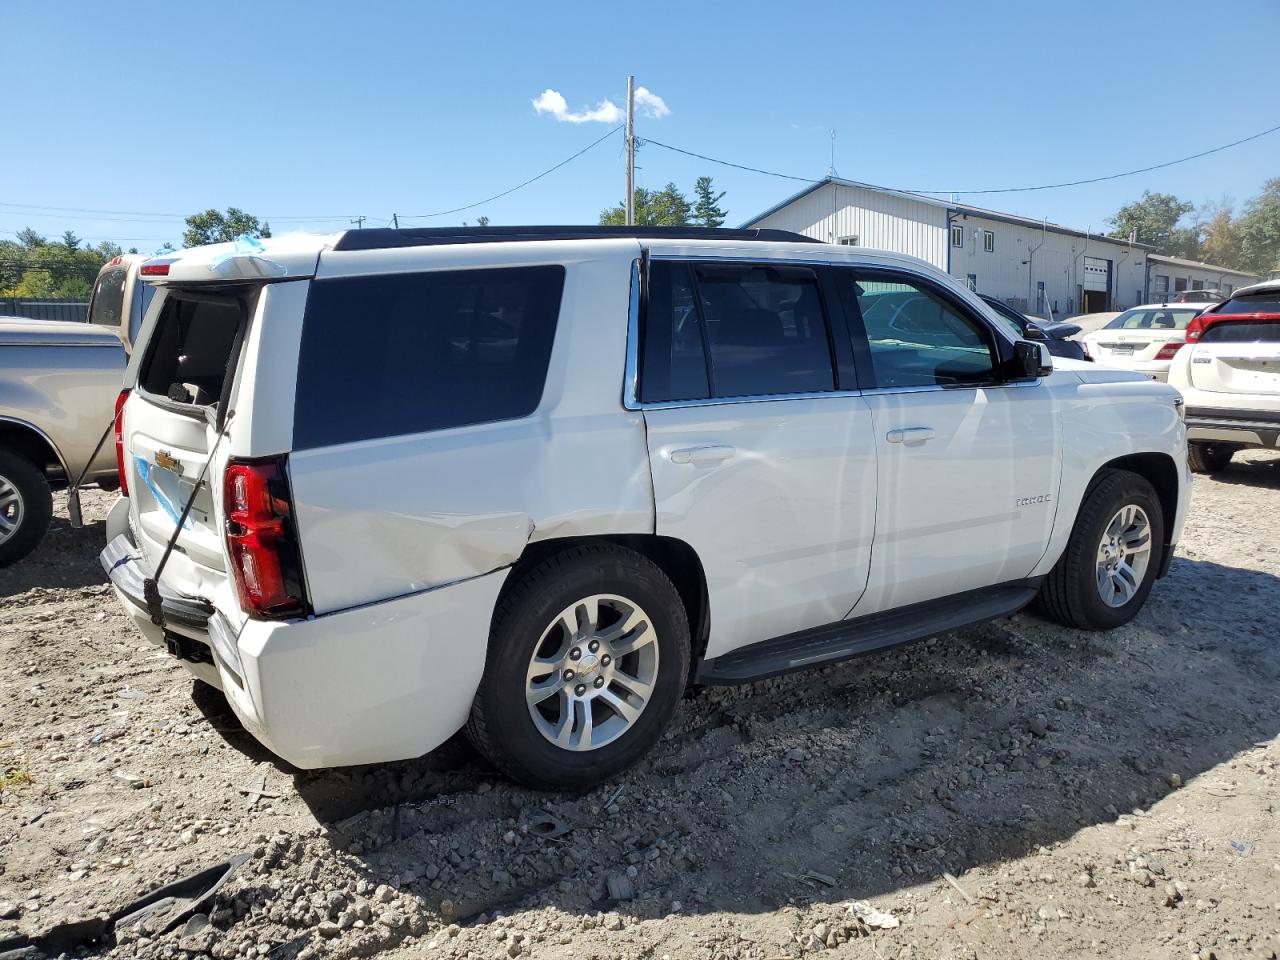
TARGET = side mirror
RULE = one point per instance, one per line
(1031, 360)
(1032, 332)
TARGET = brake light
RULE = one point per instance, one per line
(155, 268)
(261, 540)
(1195, 328)
(1169, 349)
(124, 480)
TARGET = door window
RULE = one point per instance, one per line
(733, 330)
(916, 338)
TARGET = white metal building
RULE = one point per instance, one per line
(1033, 265)
(1167, 275)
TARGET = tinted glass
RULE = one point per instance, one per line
(1243, 331)
(1157, 319)
(108, 297)
(766, 329)
(918, 339)
(190, 352)
(398, 354)
(674, 362)
(1017, 325)
(1259, 303)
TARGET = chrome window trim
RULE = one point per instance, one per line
(631, 376)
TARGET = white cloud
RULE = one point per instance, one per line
(606, 111)
(650, 104)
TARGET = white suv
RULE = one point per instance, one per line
(533, 481)
(1229, 375)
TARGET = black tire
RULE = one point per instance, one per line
(1070, 593)
(1209, 457)
(36, 506)
(501, 726)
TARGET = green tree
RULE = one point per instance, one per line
(30, 239)
(1259, 230)
(667, 207)
(1220, 234)
(706, 207)
(1155, 218)
(213, 226)
(70, 240)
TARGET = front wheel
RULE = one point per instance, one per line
(26, 506)
(1104, 576)
(1209, 457)
(588, 656)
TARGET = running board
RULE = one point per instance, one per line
(846, 639)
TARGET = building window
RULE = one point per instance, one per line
(988, 241)
(957, 235)
(1160, 285)
(851, 241)
(1226, 290)
(1197, 284)
(971, 281)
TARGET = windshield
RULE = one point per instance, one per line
(1008, 317)
(1158, 318)
(108, 298)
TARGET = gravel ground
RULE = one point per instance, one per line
(1012, 790)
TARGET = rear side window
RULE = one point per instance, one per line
(1259, 303)
(107, 303)
(1243, 331)
(389, 355)
(734, 330)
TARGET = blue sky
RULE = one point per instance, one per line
(332, 110)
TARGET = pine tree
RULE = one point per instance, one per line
(706, 208)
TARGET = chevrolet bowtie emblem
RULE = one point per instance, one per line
(167, 461)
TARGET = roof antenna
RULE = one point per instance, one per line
(831, 170)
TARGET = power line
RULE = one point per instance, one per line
(137, 216)
(518, 186)
(1045, 186)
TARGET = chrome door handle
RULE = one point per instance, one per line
(709, 454)
(910, 435)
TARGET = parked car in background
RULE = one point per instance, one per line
(1229, 376)
(1195, 296)
(59, 381)
(1144, 339)
(1054, 335)
(552, 474)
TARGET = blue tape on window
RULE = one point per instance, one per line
(144, 473)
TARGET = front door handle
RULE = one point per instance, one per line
(709, 454)
(910, 435)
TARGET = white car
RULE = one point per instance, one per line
(1144, 339)
(1229, 376)
(385, 485)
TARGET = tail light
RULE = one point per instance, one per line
(262, 540)
(124, 479)
(1195, 328)
(1169, 349)
(1084, 348)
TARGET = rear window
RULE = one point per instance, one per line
(389, 355)
(108, 297)
(1243, 331)
(1169, 318)
(1259, 303)
(192, 351)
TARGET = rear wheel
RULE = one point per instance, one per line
(1209, 457)
(1104, 576)
(26, 506)
(588, 656)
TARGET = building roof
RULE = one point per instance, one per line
(963, 209)
(1197, 265)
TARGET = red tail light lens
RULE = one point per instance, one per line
(155, 268)
(1195, 328)
(124, 479)
(1169, 349)
(261, 540)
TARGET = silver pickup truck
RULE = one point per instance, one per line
(58, 384)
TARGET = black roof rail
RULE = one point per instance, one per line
(380, 238)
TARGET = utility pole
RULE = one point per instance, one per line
(631, 151)
(396, 220)
(359, 222)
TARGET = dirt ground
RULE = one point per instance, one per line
(1088, 795)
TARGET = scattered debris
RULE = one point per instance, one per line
(959, 889)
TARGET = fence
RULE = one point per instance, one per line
(41, 308)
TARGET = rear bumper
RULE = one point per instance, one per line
(381, 682)
(1256, 428)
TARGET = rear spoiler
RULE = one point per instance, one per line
(245, 258)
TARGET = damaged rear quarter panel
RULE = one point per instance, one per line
(388, 517)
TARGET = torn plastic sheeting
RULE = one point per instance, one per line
(244, 260)
(144, 473)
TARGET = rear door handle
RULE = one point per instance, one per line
(910, 435)
(709, 454)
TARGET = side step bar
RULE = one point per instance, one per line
(846, 639)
